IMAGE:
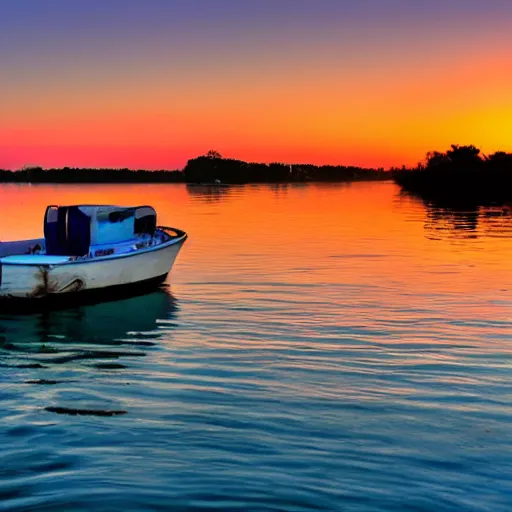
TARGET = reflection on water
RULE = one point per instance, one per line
(462, 220)
(208, 193)
(95, 324)
(330, 348)
(466, 223)
(38, 349)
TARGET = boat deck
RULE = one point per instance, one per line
(37, 259)
(125, 247)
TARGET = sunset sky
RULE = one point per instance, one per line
(152, 83)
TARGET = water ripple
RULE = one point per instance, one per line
(354, 357)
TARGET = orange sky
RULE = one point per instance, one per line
(381, 96)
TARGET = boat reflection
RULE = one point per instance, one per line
(106, 323)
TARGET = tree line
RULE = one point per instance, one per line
(460, 173)
(86, 175)
(209, 168)
(212, 167)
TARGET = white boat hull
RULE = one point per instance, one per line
(34, 281)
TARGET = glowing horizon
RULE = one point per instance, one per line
(151, 85)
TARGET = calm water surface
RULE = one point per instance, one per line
(319, 347)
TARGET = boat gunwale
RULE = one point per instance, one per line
(182, 236)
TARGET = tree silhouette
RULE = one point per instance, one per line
(460, 176)
(436, 159)
(214, 154)
(464, 157)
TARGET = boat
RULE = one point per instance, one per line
(89, 251)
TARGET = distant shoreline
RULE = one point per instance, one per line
(459, 176)
(209, 169)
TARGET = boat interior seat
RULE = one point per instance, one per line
(122, 247)
(69, 234)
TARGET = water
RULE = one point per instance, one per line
(319, 347)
